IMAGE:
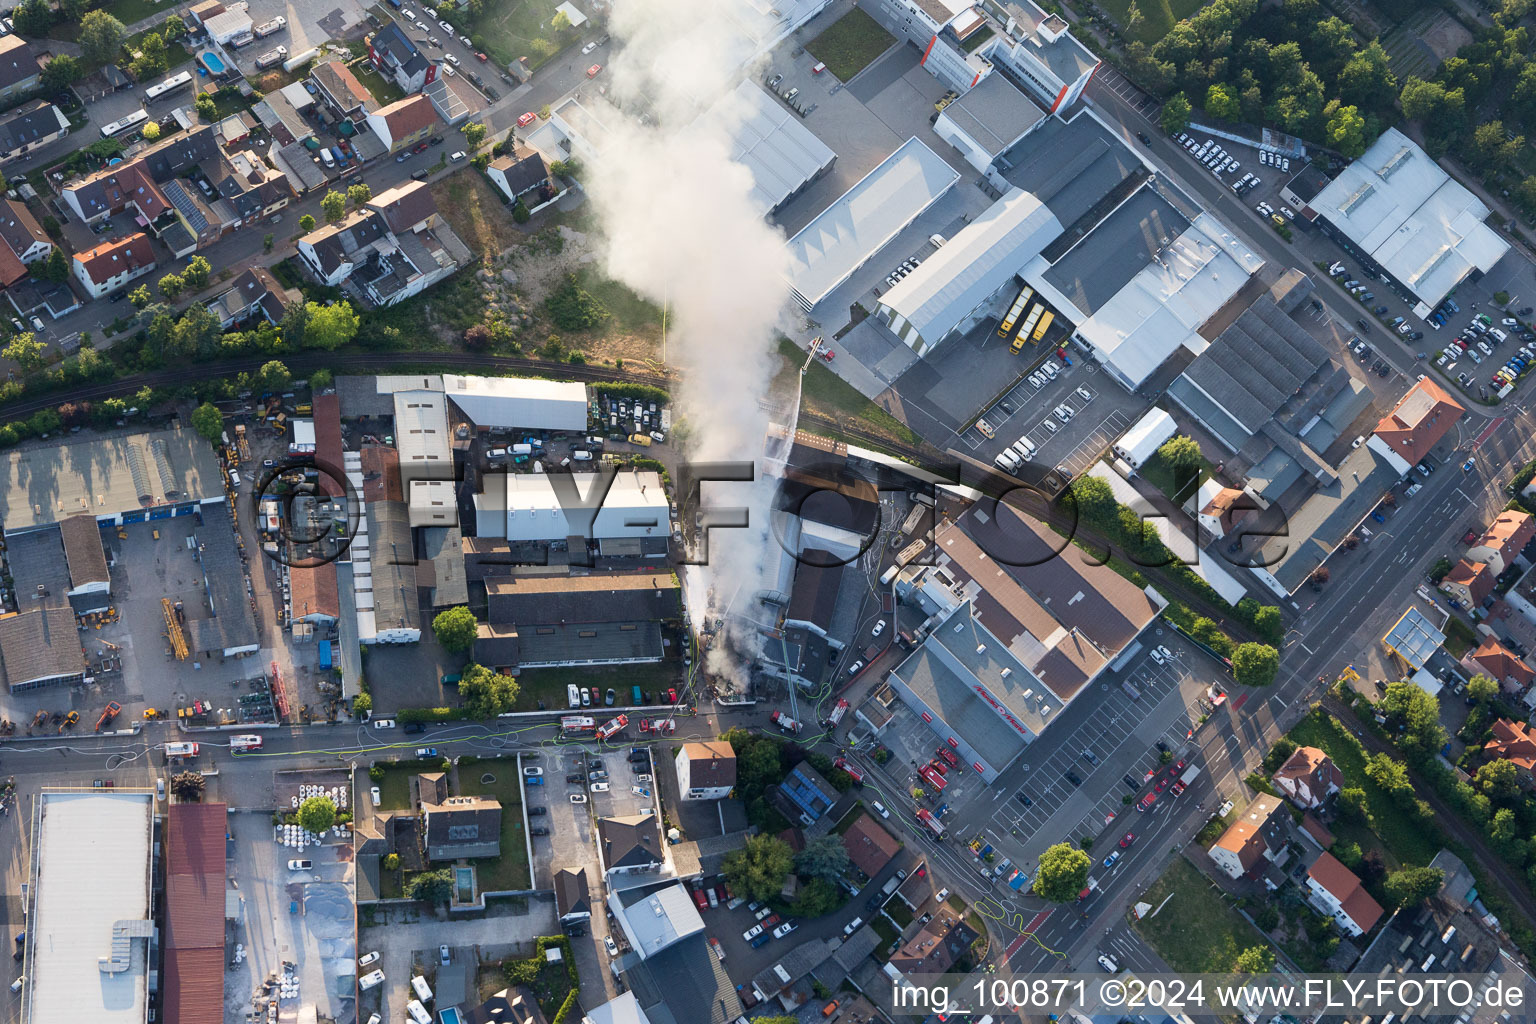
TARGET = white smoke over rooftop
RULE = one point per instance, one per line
(682, 228)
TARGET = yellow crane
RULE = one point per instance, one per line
(173, 631)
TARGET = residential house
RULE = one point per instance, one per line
(1258, 836)
(404, 123)
(32, 295)
(655, 919)
(334, 251)
(340, 91)
(399, 59)
(936, 946)
(804, 795)
(11, 268)
(1514, 742)
(22, 233)
(787, 984)
(519, 172)
(629, 843)
(706, 771)
(1415, 425)
(509, 1006)
(1469, 583)
(573, 899)
(869, 845)
(1308, 778)
(19, 69)
(29, 126)
(1336, 891)
(254, 293)
(1503, 541)
(395, 247)
(111, 265)
(1500, 664)
(462, 826)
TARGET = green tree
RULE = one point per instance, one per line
(1279, 753)
(1418, 714)
(61, 72)
(1366, 79)
(1346, 129)
(273, 376)
(759, 765)
(359, 194)
(474, 135)
(1491, 149)
(361, 705)
(1255, 664)
(152, 58)
(334, 205)
(559, 22)
(206, 108)
(572, 308)
(208, 421)
(391, 862)
(150, 131)
(1063, 873)
(140, 296)
(306, 223)
(823, 857)
(757, 870)
(1175, 115)
(1180, 452)
(1482, 689)
(196, 274)
(1221, 101)
(172, 285)
(816, 898)
(520, 212)
(25, 351)
(1500, 780)
(486, 694)
(33, 18)
(1254, 960)
(1267, 621)
(331, 327)
(1412, 886)
(1390, 774)
(455, 629)
(1422, 101)
(1352, 804)
(55, 268)
(320, 380)
(430, 886)
(317, 814)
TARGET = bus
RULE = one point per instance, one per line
(121, 125)
(1043, 326)
(1028, 328)
(171, 84)
(1014, 311)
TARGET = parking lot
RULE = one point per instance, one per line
(913, 743)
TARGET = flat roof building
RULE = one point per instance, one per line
(120, 479)
(519, 402)
(40, 647)
(987, 121)
(90, 919)
(194, 906)
(845, 235)
(767, 139)
(1402, 215)
(548, 507)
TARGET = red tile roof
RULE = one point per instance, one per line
(109, 259)
(1313, 765)
(1333, 876)
(1246, 838)
(408, 116)
(328, 449)
(1513, 741)
(11, 267)
(869, 845)
(314, 591)
(1501, 663)
(1425, 414)
(194, 902)
(1508, 534)
(1475, 576)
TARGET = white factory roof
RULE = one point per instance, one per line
(1410, 216)
(304, 433)
(297, 96)
(421, 435)
(1163, 306)
(866, 217)
(519, 402)
(771, 142)
(658, 920)
(535, 492)
(973, 265)
(229, 23)
(1138, 444)
(92, 866)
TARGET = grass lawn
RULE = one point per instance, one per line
(175, 53)
(1162, 476)
(513, 29)
(391, 885)
(888, 934)
(1197, 930)
(628, 312)
(850, 43)
(510, 870)
(847, 820)
(394, 788)
(1397, 834)
(476, 213)
(549, 684)
(130, 11)
(384, 91)
(1459, 637)
(826, 393)
(899, 913)
(1158, 16)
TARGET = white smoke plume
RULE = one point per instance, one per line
(682, 229)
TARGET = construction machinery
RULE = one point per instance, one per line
(69, 721)
(173, 630)
(107, 717)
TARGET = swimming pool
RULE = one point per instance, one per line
(449, 1016)
(213, 62)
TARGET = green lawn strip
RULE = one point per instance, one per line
(847, 820)
(509, 871)
(1162, 476)
(1197, 930)
(627, 311)
(1402, 837)
(888, 934)
(386, 92)
(850, 44)
(514, 29)
(824, 388)
(899, 913)
(394, 788)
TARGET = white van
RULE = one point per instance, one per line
(370, 979)
(573, 695)
(937, 241)
(522, 449)
(1494, 332)
(582, 456)
(496, 453)
(325, 156)
(418, 1012)
(1006, 461)
(423, 990)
